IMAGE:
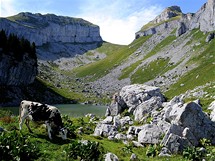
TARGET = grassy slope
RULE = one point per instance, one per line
(102, 67)
(139, 76)
(55, 149)
(205, 71)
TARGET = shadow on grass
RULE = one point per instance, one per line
(38, 92)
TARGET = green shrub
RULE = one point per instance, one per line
(5, 113)
(89, 151)
(68, 123)
(194, 154)
(14, 146)
(153, 150)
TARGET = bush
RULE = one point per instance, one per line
(68, 123)
(14, 146)
(88, 151)
(194, 154)
(153, 150)
(5, 113)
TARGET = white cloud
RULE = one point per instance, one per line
(7, 8)
(119, 20)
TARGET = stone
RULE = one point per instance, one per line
(125, 120)
(105, 130)
(116, 121)
(188, 126)
(135, 94)
(117, 106)
(150, 134)
(175, 143)
(190, 136)
(147, 107)
(209, 37)
(120, 136)
(164, 152)
(137, 144)
(134, 157)
(131, 96)
(197, 121)
(130, 137)
(134, 130)
(107, 120)
(110, 157)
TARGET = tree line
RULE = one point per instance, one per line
(12, 45)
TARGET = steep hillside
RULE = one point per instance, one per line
(165, 55)
(175, 52)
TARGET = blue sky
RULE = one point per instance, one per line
(118, 19)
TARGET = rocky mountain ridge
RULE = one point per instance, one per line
(47, 28)
(168, 52)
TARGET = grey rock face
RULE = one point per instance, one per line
(51, 28)
(110, 157)
(105, 130)
(168, 13)
(209, 37)
(203, 19)
(181, 29)
(150, 134)
(135, 97)
(15, 73)
(157, 29)
(212, 107)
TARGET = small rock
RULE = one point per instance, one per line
(133, 157)
(110, 157)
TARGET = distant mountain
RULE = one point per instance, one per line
(175, 51)
(42, 29)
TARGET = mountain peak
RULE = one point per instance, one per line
(168, 13)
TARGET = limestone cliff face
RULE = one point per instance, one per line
(15, 72)
(162, 22)
(204, 18)
(41, 29)
(168, 13)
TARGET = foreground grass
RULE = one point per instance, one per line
(100, 68)
(57, 149)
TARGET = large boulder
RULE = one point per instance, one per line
(150, 134)
(189, 124)
(105, 130)
(132, 96)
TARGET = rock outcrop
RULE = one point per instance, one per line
(48, 28)
(168, 13)
(204, 19)
(161, 22)
(15, 72)
(174, 124)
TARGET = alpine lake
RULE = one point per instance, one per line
(73, 110)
